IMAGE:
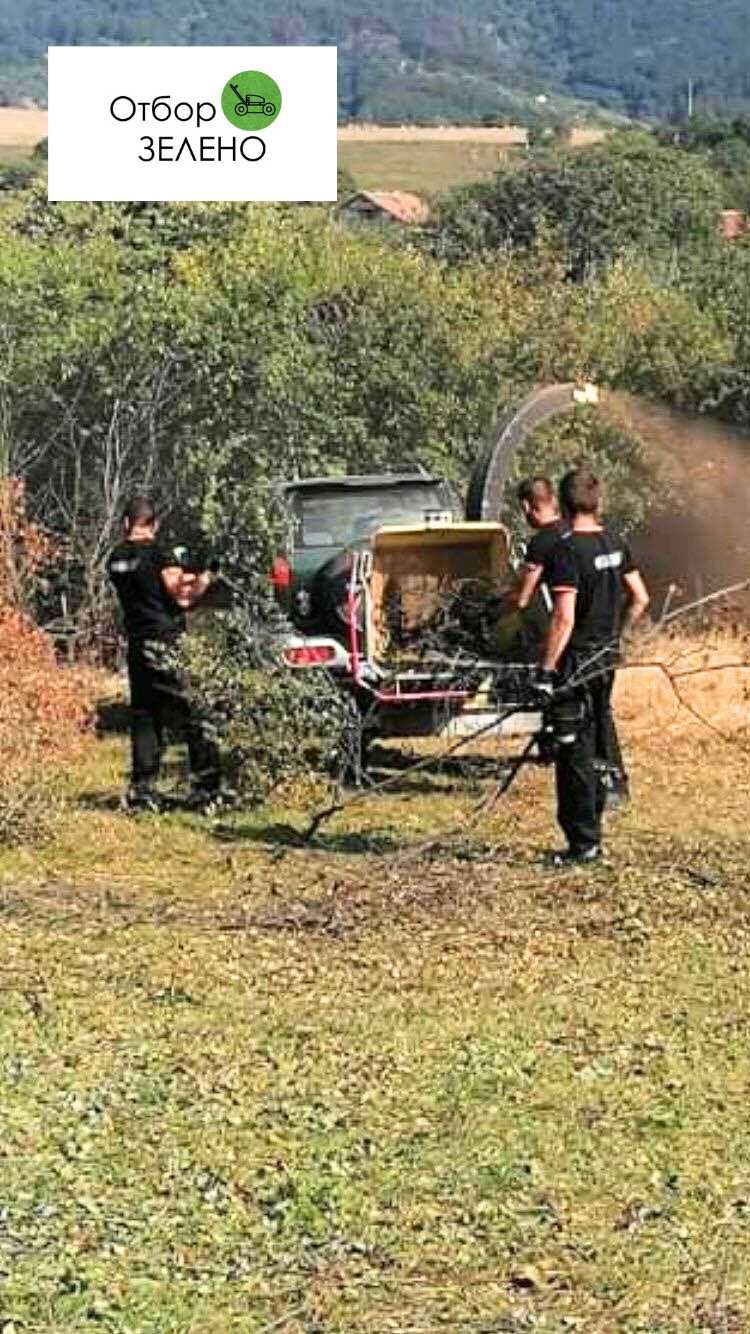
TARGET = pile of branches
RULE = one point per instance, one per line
(278, 728)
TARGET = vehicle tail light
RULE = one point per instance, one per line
(309, 655)
(281, 573)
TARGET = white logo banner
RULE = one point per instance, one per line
(159, 123)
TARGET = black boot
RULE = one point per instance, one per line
(576, 857)
(141, 799)
(211, 797)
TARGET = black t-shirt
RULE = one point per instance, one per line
(594, 564)
(135, 570)
(542, 544)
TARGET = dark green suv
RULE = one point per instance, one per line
(332, 518)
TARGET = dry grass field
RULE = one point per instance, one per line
(431, 159)
(504, 137)
(426, 168)
(20, 130)
(426, 159)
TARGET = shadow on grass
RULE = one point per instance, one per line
(112, 717)
(100, 801)
(113, 799)
(286, 837)
(385, 763)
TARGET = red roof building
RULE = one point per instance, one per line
(386, 206)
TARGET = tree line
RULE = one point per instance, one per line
(206, 351)
(434, 59)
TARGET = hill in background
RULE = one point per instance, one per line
(435, 59)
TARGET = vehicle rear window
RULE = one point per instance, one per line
(340, 518)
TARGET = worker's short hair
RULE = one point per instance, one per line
(580, 492)
(535, 491)
(139, 509)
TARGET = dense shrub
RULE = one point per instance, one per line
(277, 729)
(630, 193)
(616, 454)
(206, 352)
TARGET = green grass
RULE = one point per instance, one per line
(249, 1086)
(426, 168)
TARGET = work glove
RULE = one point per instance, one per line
(543, 687)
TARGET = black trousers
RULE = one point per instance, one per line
(608, 751)
(580, 791)
(157, 702)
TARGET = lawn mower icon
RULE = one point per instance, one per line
(252, 103)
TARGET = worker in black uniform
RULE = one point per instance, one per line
(540, 506)
(523, 624)
(597, 590)
(155, 591)
(536, 496)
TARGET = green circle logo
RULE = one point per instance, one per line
(251, 100)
